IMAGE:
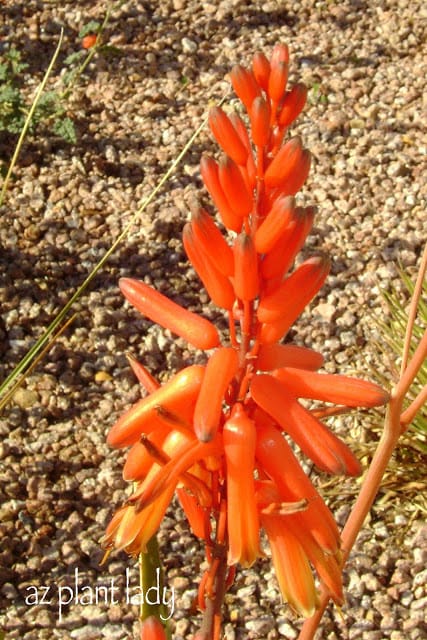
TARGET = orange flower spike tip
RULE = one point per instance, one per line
(244, 85)
(246, 279)
(212, 242)
(178, 396)
(290, 298)
(226, 135)
(275, 356)
(283, 163)
(220, 370)
(234, 187)
(239, 436)
(280, 217)
(152, 629)
(328, 387)
(216, 283)
(198, 331)
(277, 81)
(261, 69)
(293, 104)
(210, 175)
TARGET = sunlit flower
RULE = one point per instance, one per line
(214, 434)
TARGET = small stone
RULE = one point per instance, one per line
(188, 46)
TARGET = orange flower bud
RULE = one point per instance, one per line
(209, 171)
(280, 54)
(244, 85)
(145, 378)
(279, 218)
(239, 125)
(284, 163)
(178, 396)
(239, 437)
(299, 175)
(212, 242)
(328, 387)
(260, 121)
(277, 81)
(281, 257)
(196, 330)
(293, 104)
(275, 356)
(288, 301)
(216, 283)
(233, 185)
(226, 135)
(246, 280)
(220, 370)
(152, 629)
(316, 441)
(261, 69)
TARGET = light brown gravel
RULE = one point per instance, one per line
(365, 64)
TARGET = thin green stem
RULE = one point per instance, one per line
(26, 360)
(29, 117)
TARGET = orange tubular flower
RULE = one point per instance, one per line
(212, 242)
(246, 280)
(317, 442)
(243, 524)
(196, 330)
(226, 136)
(216, 434)
(293, 104)
(234, 187)
(276, 356)
(292, 566)
(279, 219)
(210, 175)
(216, 283)
(220, 370)
(177, 398)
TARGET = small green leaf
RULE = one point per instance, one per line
(73, 57)
(91, 27)
(64, 127)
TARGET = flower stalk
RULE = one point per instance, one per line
(215, 432)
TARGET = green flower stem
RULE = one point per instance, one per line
(29, 117)
(150, 573)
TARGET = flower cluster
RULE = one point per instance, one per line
(214, 433)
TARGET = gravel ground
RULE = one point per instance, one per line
(365, 65)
